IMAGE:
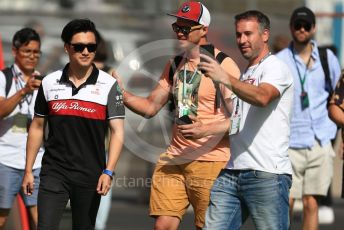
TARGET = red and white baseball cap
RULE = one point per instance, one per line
(194, 11)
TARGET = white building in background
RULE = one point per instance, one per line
(330, 26)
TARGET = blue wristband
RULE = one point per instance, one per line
(108, 172)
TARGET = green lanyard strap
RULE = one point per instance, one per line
(302, 79)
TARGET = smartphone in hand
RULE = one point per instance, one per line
(184, 120)
(39, 77)
(208, 50)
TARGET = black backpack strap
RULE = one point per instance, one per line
(325, 66)
(219, 98)
(221, 56)
(174, 65)
(8, 75)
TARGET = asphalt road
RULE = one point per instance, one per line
(128, 214)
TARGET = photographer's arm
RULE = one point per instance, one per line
(7, 105)
(260, 95)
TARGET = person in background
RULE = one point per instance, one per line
(310, 151)
(326, 213)
(257, 177)
(336, 113)
(79, 103)
(280, 42)
(18, 93)
(198, 151)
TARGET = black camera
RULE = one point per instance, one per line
(208, 50)
(39, 77)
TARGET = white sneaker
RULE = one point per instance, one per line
(326, 215)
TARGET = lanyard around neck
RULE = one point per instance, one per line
(302, 79)
(184, 81)
(18, 84)
(260, 62)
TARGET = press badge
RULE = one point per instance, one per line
(236, 117)
(183, 110)
(235, 124)
(304, 100)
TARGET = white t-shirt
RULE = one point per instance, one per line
(263, 142)
(12, 136)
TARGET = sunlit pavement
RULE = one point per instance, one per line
(129, 215)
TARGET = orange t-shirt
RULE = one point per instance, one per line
(200, 93)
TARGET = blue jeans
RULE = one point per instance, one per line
(237, 194)
(10, 185)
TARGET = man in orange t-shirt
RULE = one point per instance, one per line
(185, 173)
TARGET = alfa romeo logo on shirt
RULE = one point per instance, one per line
(186, 9)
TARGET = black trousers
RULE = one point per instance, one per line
(53, 197)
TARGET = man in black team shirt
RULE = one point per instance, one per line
(78, 102)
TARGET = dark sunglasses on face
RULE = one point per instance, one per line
(185, 29)
(304, 25)
(80, 47)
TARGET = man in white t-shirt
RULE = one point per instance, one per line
(257, 178)
(17, 98)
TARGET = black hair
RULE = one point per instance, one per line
(77, 26)
(24, 36)
(263, 20)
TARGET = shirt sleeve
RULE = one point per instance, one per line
(115, 106)
(279, 76)
(41, 105)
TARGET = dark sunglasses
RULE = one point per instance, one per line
(80, 47)
(299, 25)
(185, 29)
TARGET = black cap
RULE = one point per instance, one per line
(303, 14)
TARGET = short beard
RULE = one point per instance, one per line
(304, 42)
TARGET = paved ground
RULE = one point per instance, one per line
(129, 215)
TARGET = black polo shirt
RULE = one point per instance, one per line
(78, 120)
